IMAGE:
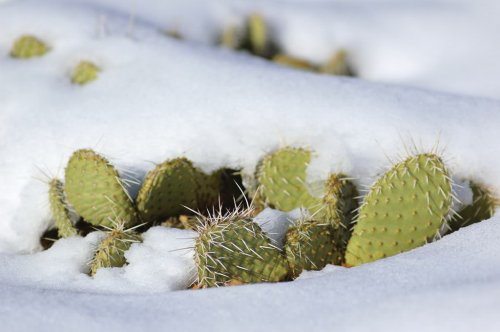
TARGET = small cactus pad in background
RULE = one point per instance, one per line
(281, 177)
(308, 246)
(482, 208)
(234, 249)
(111, 250)
(338, 65)
(339, 204)
(168, 189)
(289, 61)
(28, 46)
(59, 209)
(404, 209)
(84, 72)
(258, 34)
(94, 188)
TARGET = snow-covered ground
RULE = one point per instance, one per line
(430, 74)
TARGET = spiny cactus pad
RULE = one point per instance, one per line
(404, 209)
(309, 246)
(84, 72)
(482, 208)
(289, 61)
(95, 190)
(237, 250)
(28, 46)
(339, 203)
(282, 180)
(111, 250)
(59, 209)
(171, 186)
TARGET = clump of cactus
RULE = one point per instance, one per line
(84, 73)
(404, 209)
(232, 248)
(28, 46)
(111, 250)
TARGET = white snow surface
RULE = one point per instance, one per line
(429, 74)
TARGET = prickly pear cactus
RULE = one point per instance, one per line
(59, 209)
(28, 46)
(236, 251)
(84, 72)
(111, 250)
(281, 177)
(289, 61)
(483, 207)
(404, 209)
(95, 190)
(339, 205)
(171, 187)
(338, 65)
(309, 246)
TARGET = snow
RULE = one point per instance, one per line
(429, 77)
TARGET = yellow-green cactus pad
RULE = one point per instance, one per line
(111, 250)
(339, 205)
(338, 65)
(290, 61)
(59, 209)
(171, 187)
(237, 250)
(281, 177)
(94, 188)
(84, 72)
(404, 209)
(28, 46)
(483, 207)
(309, 246)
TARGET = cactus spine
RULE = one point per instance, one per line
(235, 250)
(59, 209)
(28, 46)
(404, 209)
(95, 190)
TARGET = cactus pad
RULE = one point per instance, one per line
(111, 250)
(339, 204)
(309, 246)
(289, 61)
(28, 46)
(282, 180)
(237, 250)
(84, 72)
(171, 186)
(59, 209)
(482, 208)
(95, 190)
(404, 209)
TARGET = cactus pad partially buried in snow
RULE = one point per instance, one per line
(404, 209)
(95, 190)
(84, 73)
(234, 249)
(59, 209)
(28, 46)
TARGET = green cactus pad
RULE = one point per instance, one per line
(59, 209)
(483, 207)
(95, 190)
(338, 65)
(289, 61)
(404, 209)
(339, 203)
(28, 46)
(282, 180)
(111, 250)
(238, 251)
(309, 246)
(85, 72)
(171, 187)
